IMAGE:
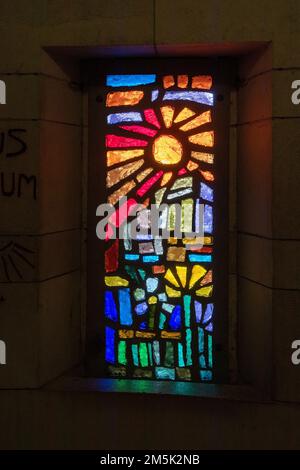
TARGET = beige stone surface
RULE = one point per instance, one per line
(254, 178)
(60, 101)
(19, 328)
(60, 174)
(59, 319)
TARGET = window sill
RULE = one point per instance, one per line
(238, 392)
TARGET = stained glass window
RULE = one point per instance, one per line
(158, 309)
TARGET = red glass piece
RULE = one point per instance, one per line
(183, 171)
(149, 183)
(119, 216)
(117, 141)
(140, 130)
(112, 257)
(150, 117)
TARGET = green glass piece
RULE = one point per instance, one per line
(209, 347)
(187, 310)
(143, 355)
(122, 353)
(162, 320)
(132, 273)
(135, 356)
(200, 340)
(180, 355)
(152, 309)
(142, 273)
(169, 357)
(188, 337)
(202, 361)
(139, 294)
(156, 352)
(150, 354)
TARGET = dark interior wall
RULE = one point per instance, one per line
(42, 309)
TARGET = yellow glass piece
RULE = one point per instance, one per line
(197, 273)
(207, 175)
(203, 138)
(116, 281)
(185, 182)
(118, 156)
(142, 175)
(205, 291)
(126, 333)
(203, 157)
(172, 292)
(202, 81)
(167, 150)
(159, 196)
(124, 98)
(167, 176)
(152, 300)
(187, 211)
(172, 241)
(168, 81)
(176, 254)
(115, 196)
(171, 334)
(182, 81)
(145, 334)
(167, 113)
(203, 118)
(181, 273)
(207, 279)
(198, 241)
(184, 114)
(191, 166)
(169, 276)
(172, 217)
(122, 172)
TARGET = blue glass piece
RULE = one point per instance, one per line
(202, 97)
(208, 218)
(141, 308)
(162, 321)
(130, 257)
(163, 297)
(150, 259)
(200, 340)
(154, 95)
(175, 319)
(209, 348)
(188, 338)
(109, 344)
(125, 307)
(143, 236)
(135, 355)
(209, 327)
(198, 311)
(208, 313)
(115, 118)
(202, 361)
(130, 80)
(164, 373)
(205, 375)
(110, 306)
(206, 192)
(143, 325)
(180, 355)
(200, 258)
(151, 284)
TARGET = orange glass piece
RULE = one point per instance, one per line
(170, 334)
(203, 157)
(124, 98)
(115, 196)
(207, 278)
(207, 175)
(158, 269)
(126, 333)
(167, 150)
(168, 81)
(118, 174)
(176, 254)
(142, 175)
(166, 178)
(203, 118)
(203, 138)
(191, 166)
(118, 156)
(144, 334)
(167, 113)
(184, 114)
(202, 81)
(182, 81)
